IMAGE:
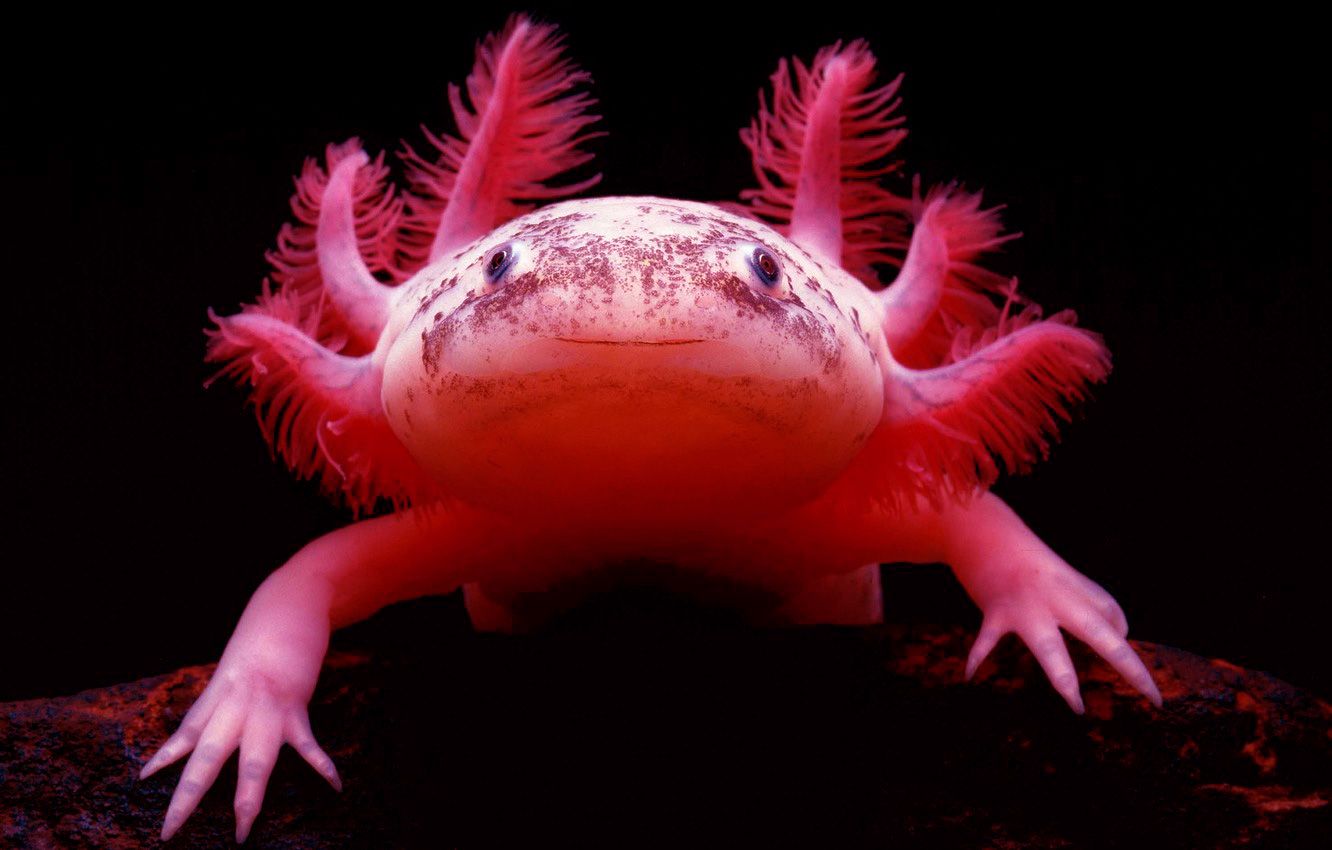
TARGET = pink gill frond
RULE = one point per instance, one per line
(319, 410)
(523, 127)
(295, 261)
(950, 310)
(947, 431)
(873, 219)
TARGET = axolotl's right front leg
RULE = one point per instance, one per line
(257, 698)
(1019, 583)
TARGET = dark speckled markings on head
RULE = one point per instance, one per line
(662, 267)
(433, 291)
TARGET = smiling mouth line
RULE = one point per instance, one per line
(629, 341)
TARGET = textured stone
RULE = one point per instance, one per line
(678, 733)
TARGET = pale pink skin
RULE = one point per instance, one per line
(748, 455)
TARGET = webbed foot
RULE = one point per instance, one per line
(236, 711)
(1036, 600)
(255, 701)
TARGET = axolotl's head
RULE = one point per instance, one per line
(633, 352)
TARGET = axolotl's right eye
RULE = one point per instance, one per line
(766, 266)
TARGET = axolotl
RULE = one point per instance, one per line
(552, 399)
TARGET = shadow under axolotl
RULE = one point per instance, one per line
(639, 721)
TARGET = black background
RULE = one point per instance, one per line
(1171, 182)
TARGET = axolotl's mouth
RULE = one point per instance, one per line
(628, 341)
(615, 354)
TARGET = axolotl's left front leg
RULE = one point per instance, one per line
(1018, 582)
(257, 698)
(1022, 586)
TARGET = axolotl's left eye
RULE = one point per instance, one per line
(498, 262)
(761, 268)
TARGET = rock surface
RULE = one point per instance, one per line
(681, 734)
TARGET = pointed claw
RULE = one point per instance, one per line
(163, 757)
(243, 824)
(172, 823)
(990, 633)
(1120, 655)
(187, 735)
(260, 742)
(303, 740)
(1048, 646)
(176, 747)
(247, 810)
(214, 748)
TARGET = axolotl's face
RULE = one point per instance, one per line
(633, 354)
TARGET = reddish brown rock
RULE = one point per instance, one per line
(682, 734)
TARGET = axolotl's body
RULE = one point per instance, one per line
(639, 388)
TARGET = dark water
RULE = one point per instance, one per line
(1172, 186)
